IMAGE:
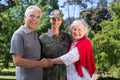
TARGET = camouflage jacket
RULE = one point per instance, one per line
(52, 47)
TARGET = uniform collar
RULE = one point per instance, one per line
(50, 33)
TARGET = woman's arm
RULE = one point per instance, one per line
(69, 58)
(57, 60)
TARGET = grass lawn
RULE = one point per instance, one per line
(8, 74)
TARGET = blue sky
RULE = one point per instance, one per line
(4, 2)
(65, 10)
(71, 8)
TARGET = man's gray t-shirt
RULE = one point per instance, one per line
(26, 43)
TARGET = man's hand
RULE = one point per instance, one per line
(45, 63)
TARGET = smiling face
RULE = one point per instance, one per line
(32, 19)
(55, 22)
(78, 31)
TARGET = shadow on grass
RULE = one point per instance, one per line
(108, 78)
(6, 79)
(7, 73)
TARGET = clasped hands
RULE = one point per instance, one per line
(47, 62)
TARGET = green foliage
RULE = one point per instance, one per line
(95, 16)
(106, 44)
(8, 21)
(115, 71)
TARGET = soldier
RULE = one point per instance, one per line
(55, 43)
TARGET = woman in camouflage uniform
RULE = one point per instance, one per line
(55, 43)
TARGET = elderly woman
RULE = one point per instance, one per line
(80, 59)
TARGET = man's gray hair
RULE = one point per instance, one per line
(33, 7)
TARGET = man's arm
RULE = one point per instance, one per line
(20, 61)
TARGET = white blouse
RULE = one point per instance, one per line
(69, 59)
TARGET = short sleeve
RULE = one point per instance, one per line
(17, 46)
(71, 57)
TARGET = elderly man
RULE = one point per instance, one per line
(25, 48)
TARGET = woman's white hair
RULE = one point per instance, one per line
(33, 7)
(85, 26)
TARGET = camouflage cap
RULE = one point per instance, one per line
(56, 13)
